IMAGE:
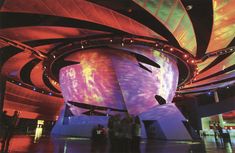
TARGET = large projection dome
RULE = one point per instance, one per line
(115, 78)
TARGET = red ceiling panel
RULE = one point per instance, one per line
(45, 32)
(94, 14)
(31, 102)
(14, 64)
(36, 77)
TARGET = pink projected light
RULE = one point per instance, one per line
(114, 78)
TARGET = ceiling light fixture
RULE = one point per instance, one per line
(189, 7)
(185, 56)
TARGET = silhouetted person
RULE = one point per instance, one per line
(115, 131)
(126, 135)
(220, 130)
(10, 125)
(215, 132)
(4, 127)
(136, 135)
(98, 139)
(111, 133)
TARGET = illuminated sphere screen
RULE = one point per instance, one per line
(114, 78)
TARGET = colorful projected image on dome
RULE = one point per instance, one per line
(115, 79)
(93, 81)
(140, 86)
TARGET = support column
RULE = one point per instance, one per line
(216, 97)
(2, 91)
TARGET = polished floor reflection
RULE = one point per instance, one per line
(27, 144)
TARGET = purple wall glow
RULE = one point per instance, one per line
(113, 78)
(140, 86)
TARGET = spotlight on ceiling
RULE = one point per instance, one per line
(209, 93)
(189, 7)
(185, 56)
(129, 10)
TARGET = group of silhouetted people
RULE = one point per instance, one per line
(123, 135)
(7, 127)
(218, 132)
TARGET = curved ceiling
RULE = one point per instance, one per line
(175, 18)
(204, 30)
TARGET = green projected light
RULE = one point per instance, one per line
(229, 61)
(205, 63)
(173, 15)
(224, 24)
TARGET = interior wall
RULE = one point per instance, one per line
(170, 120)
(31, 104)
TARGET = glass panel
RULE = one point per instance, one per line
(165, 9)
(224, 24)
(152, 6)
(177, 14)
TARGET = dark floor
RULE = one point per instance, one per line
(27, 144)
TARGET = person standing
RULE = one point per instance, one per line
(126, 135)
(116, 130)
(11, 124)
(111, 133)
(136, 135)
(4, 119)
(99, 139)
(221, 134)
(215, 132)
